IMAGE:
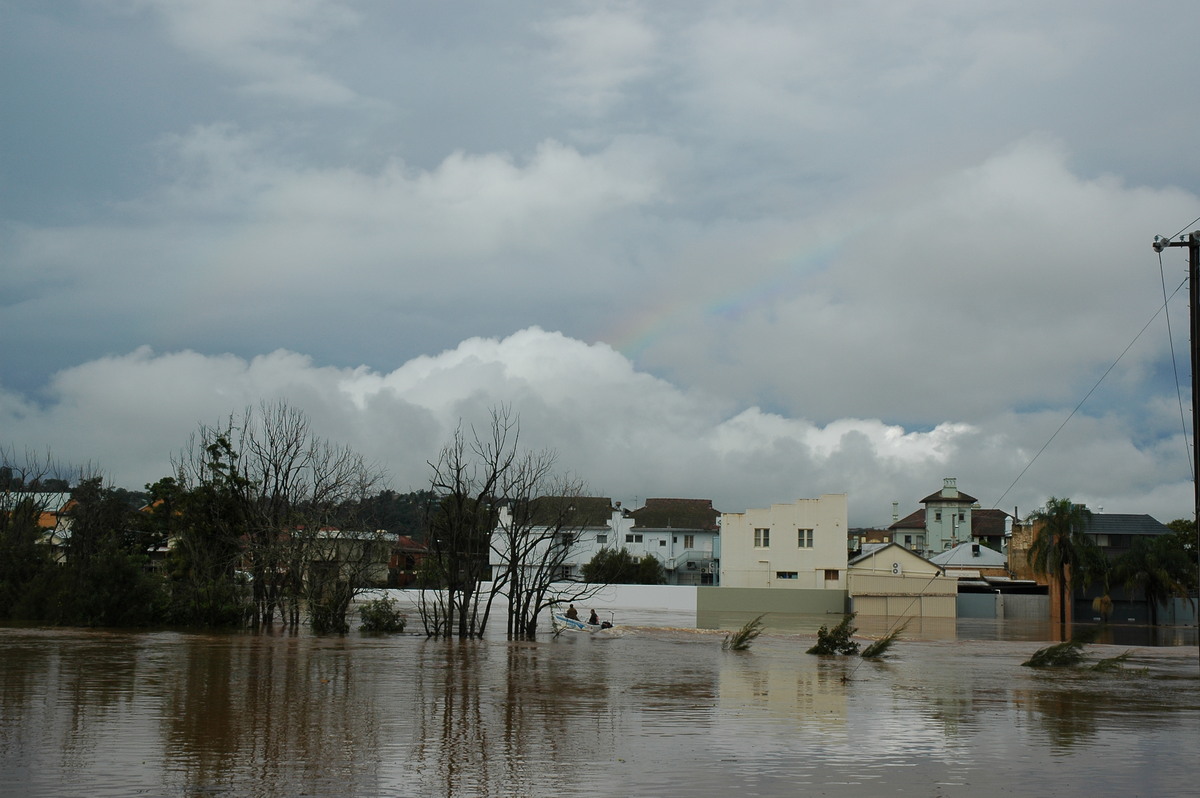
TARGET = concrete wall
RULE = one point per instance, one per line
(1003, 606)
(759, 600)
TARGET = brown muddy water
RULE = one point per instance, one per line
(653, 709)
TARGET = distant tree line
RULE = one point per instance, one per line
(263, 522)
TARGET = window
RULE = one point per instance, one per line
(787, 575)
(689, 541)
(601, 539)
(962, 516)
(804, 538)
(566, 572)
(831, 575)
(662, 542)
(634, 538)
(937, 515)
(762, 538)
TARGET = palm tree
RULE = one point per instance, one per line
(1062, 550)
(1147, 565)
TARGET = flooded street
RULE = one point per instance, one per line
(643, 709)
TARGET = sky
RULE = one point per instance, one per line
(750, 252)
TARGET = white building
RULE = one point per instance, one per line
(577, 527)
(798, 546)
(683, 534)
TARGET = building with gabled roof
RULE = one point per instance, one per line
(683, 533)
(890, 580)
(951, 517)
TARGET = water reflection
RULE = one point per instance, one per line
(643, 711)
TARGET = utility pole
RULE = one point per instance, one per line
(1192, 242)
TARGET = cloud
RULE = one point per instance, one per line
(628, 434)
(795, 248)
(262, 42)
(594, 57)
(934, 299)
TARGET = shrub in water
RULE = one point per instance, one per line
(381, 615)
(836, 640)
(1059, 655)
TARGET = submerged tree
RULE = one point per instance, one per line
(1151, 567)
(837, 640)
(25, 560)
(880, 648)
(105, 579)
(541, 527)
(465, 482)
(288, 499)
(1062, 549)
(495, 502)
(742, 638)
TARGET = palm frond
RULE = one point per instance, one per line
(879, 649)
(742, 638)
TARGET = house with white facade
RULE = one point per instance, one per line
(782, 558)
(797, 546)
(684, 534)
(567, 530)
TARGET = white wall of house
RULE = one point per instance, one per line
(675, 548)
(583, 544)
(681, 551)
(801, 545)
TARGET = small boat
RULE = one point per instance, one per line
(564, 624)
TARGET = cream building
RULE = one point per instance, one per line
(889, 580)
(797, 546)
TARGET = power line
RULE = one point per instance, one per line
(1185, 227)
(1175, 368)
(1085, 398)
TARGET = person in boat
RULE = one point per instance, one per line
(572, 613)
(594, 619)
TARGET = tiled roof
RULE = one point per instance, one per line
(1125, 524)
(405, 543)
(915, 520)
(676, 514)
(961, 498)
(570, 511)
(988, 523)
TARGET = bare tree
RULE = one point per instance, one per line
(491, 497)
(546, 519)
(466, 480)
(293, 496)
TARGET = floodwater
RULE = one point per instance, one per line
(652, 709)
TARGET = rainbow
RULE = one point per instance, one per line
(789, 270)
